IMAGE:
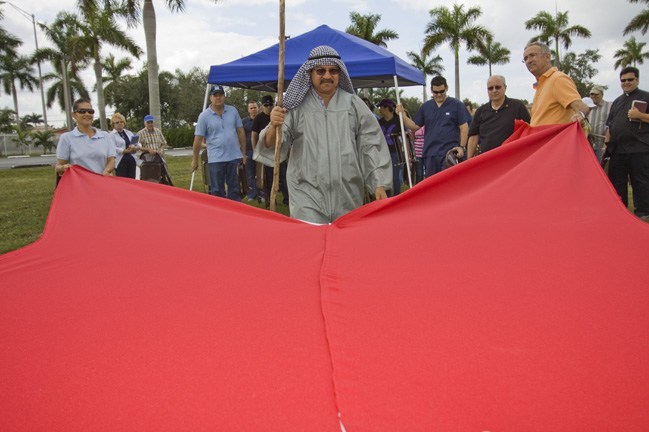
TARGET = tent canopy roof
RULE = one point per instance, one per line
(369, 65)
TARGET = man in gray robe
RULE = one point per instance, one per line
(338, 152)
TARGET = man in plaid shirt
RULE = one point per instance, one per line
(151, 137)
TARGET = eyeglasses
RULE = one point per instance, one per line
(267, 104)
(323, 71)
(85, 111)
(595, 94)
(627, 80)
(439, 91)
(118, 122)
(149, 122)
(492, 88)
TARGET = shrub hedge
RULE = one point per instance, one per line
(179, 137)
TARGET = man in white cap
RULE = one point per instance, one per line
(597, 119)
(338, 152)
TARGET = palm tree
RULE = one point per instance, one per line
(132, 12)
(455, 27)
(23, 137)
(364, 26)
(640, 21)
(432, 66)
(99, 28)
(490, 53)
(555, 29)
(17, 68)
(6, 120)
(65, 55)
(114, 70)
(56, 92)
(631, 54)
(8, 42)
(31, 120)
(43, 138)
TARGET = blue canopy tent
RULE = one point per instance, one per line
(369, 65)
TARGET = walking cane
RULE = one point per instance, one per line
(280, 102)
(191, 184)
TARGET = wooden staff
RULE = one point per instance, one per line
(280, 102)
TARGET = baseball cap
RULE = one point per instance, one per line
(148, 118)
(589, 102)
(267, 100)
(216, 89)
(597, 89)
(387, 103)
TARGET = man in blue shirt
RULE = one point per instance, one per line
(222, 129)
(446, 120)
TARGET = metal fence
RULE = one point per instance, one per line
(10, 147)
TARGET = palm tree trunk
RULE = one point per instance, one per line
(67, 95)
(101, 103)
(14, 96)
(556, 46)
(457, 72)
(149, 22)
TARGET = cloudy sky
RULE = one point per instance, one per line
(209, 34)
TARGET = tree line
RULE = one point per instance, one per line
(456, 26)
(80, 40)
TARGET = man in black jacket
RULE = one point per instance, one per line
(627, 139)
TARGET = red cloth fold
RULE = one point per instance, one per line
(506, 293)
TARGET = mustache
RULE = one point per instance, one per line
(326, 80)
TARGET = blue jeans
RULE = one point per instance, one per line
(251, 174)
(397, 175)
(433, 164)
(419, 170)
(222, 173)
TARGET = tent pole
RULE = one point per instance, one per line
(205, 99)
(280, 102)
(403, 133)
(207, 95)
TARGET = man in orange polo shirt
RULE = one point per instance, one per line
(556, 99)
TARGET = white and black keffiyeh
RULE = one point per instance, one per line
(301, 83)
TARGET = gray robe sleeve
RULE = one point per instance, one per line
(265, 155)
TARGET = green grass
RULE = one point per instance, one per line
(26, 195)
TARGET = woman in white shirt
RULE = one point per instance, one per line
(126, 144)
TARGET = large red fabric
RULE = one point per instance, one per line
(508, 293)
